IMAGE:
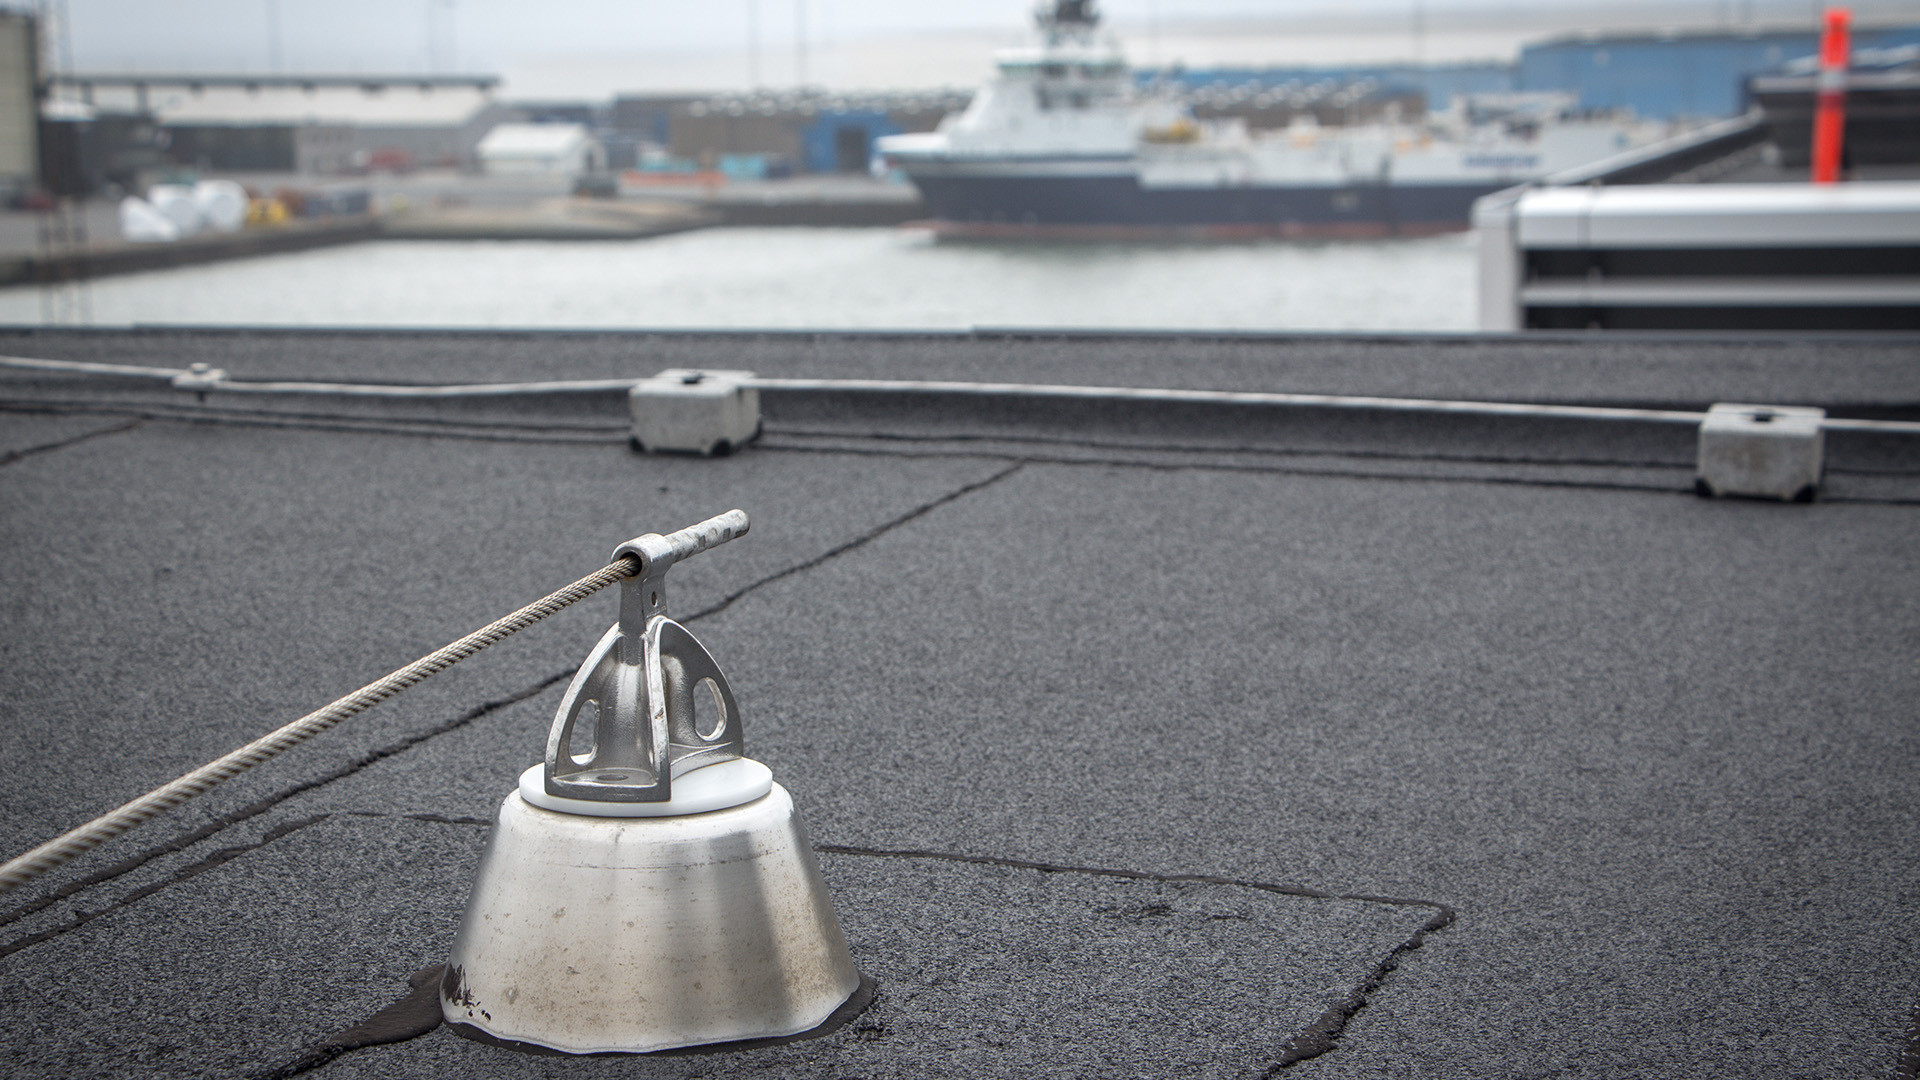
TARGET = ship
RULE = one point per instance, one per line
(1063, 141)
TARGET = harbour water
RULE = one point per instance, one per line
(797, 278)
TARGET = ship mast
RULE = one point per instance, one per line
(1067, 18)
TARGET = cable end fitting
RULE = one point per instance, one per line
(200, 377)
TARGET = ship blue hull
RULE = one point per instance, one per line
(1120, 205)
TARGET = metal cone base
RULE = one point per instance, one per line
(594, 934)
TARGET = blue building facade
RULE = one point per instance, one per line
(1658, 76)
(842, 141)
(1681, 75)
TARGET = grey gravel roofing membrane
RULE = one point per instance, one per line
(1135, 740)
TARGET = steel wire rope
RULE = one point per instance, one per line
(203, 379)
(64, 848)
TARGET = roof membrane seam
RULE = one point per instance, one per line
(1855, 470)
(255, 809)
(1866, 500)
(172, 407)
(416, 1013)
(862, 540)
(192, 870)
(1317, 1038)
(1274, 451)
(1350, 474)
(423, 428)
(1909, 1066)
(1268, 470)
(333, 422)
(1320, 1036)
(12, 456)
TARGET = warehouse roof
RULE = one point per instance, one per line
(376, 101)
(1136, 739)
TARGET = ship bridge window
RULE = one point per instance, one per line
(1054, 71)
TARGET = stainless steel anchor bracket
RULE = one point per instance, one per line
(650, 700)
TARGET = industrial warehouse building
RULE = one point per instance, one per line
(309, 124)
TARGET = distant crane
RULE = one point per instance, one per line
(439, 60)
(753, 44)
(1419, 34)
(800, 42)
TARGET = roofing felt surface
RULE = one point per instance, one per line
(1151, 742)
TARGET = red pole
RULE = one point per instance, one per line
(1830, 97)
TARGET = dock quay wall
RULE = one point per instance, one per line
(38, 268)
(577, 219)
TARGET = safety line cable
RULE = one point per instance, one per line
(63, 849)
(203, 379)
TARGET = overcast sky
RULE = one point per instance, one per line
(587, 47)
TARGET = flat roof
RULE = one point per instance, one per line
(249, 80)
(1135, 739)
(426, 100)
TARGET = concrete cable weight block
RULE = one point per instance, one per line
(1761, 452)
(694, 412)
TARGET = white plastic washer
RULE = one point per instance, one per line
(710, 787)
